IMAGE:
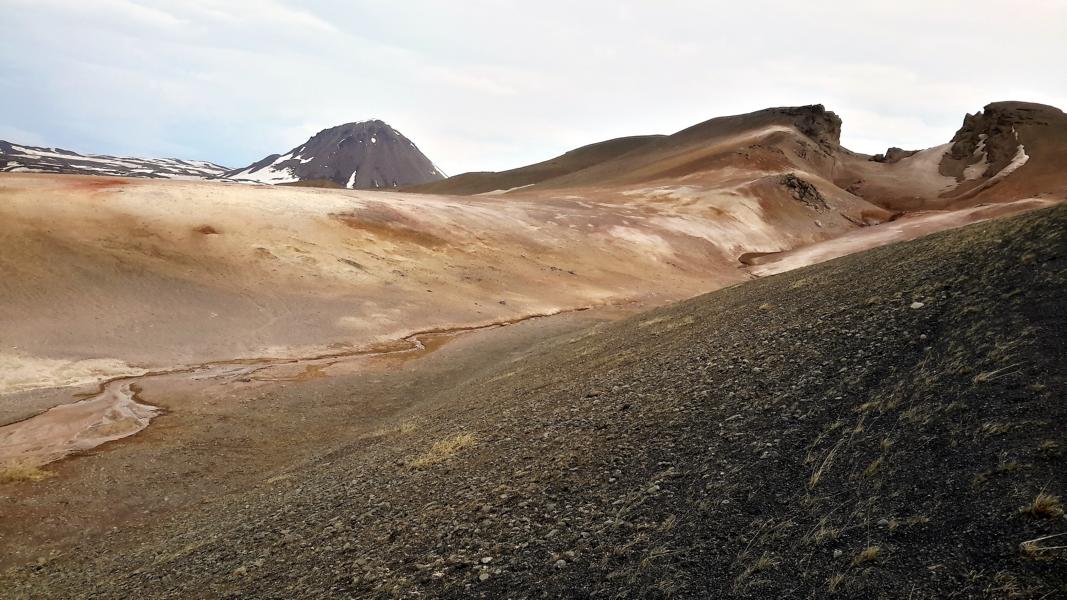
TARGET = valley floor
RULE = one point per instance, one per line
(887, 424)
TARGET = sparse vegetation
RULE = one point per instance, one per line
(834, 583)
(872, 469)
(444, 449)
(19, 471)
(764, 563)
(1036, 549)
(868, 554)
(400, 428)
(1044, 506)
(987, 376)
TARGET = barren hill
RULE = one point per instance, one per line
(1010, 150)
(888, 425)
(570, 162)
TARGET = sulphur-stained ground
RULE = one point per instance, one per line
(101, 277)
(884, 425)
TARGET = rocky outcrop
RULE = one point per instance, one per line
(987, 135)
(893, 155)
(816, 122)
(803, 191)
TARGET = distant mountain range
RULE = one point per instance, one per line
(361, 155)
(18, 158)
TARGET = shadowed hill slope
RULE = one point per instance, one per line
(878, 426)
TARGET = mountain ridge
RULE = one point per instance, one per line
(807, 139)
(23, 158)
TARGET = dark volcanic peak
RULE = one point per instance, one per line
(363, 155)
(814, 121)
(893, 154)
(18, 158)
(989, 141)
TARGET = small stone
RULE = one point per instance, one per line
(487, 559)
(483, 576)
(883, 522)
(561, 563)
(917, 305)
(838, 553)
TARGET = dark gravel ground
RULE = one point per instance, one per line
(871, 427)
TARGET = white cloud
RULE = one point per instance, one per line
(491, 84)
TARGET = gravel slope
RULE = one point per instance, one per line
(868, 427)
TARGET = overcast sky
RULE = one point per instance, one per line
(487, 85)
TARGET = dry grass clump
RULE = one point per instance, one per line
(1045, 506)
(1035, 550)
(834, 583)
(869, 554)
(763, 563)
(401, 428)
(444, 449)
(17, 471)
(873, 468)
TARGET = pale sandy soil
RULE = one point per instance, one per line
(148, 275)
(907, 227)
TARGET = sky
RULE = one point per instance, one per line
(490, 85)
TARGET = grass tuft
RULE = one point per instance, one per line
(404, 427)
(1044, 506)
(869, 554)
(444, 449)
(17, 471)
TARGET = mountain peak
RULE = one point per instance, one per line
(368, 154)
